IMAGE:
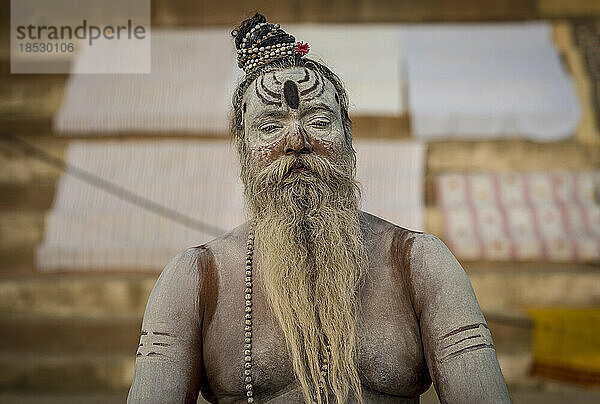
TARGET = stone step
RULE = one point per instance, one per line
(31, 94)
(66, 372)
(36, 196)
(29, 124)
(538, 392)
(27, 397)
(17, 261)
(19, 168)
(73, 335)
(514, 286)
(21, 229)
(89, 294)
(169, 13)
(509, 155)
(553, 393)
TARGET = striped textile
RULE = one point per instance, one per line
(485, 81)
(370, 69)
(391, 175)
(90, 229)
(193, 73)
(553, 216)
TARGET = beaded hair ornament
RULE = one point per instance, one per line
(259, 42)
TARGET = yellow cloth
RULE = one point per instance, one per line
(567, 344)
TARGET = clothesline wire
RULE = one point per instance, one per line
(107, 186)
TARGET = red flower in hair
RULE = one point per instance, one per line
(302, 48)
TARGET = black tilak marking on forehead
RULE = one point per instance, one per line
(244, 107)
(337, 99)
(290, 93)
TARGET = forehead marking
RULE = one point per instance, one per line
(290, 93)
(264, 97)
(311, 88)
(306, 76)
(271, 96)
(266, 90)
(275, 79)
(321, 90)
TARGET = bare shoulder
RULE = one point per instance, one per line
(425, 263)
(388, 243)
(233, 239)
(407, 249)
(227, 248)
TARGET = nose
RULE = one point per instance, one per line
(297, 141)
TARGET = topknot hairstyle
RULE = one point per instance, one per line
(259, 42)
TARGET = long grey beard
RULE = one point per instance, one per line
(310, 255)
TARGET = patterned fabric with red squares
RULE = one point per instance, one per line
(533, 216)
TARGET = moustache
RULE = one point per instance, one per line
(308, 165)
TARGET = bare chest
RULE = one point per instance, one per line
(390, 356)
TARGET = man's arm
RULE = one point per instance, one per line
(457, 343)
(169, 355)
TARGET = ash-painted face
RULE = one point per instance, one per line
(292, 111)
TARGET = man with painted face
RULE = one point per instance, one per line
(312, 300)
